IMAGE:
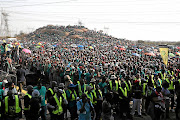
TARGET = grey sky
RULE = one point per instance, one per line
(131, 19)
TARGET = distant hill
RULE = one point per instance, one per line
(55, 33)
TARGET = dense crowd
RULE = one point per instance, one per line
(91, 78)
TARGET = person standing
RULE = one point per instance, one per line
(166, 93)
(42, 91)
(12, 107)
(10, 87)
(21, 73)
(85, 107)
(106, 107)
(71, 97)
(27, 99)
(35, 104)
(124, 99)
(137, 97)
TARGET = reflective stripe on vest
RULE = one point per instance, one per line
(127, 86)
(93, 86)
(95, 96)
(163, 76)
(50, 89)
(124, 92)
(29, 98)
(130, 85)
(73, 95)
(160, 82)
(144, 88)
(80, 90)
(64, 95)
(59, 110)
(110, 84)
(171, 86)
(17, 108)
(119, 83)
(153, 83)
(116, 82)
(79, 86)
(90, 97)
(170, 72)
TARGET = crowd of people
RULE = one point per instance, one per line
(93, 81)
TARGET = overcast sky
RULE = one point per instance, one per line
(157, 20)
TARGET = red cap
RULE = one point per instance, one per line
(136, 81)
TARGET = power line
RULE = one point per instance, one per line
(40, 4)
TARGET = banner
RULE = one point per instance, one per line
(164, 54)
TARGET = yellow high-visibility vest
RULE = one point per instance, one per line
(124, 92)
(29, 98)
(17, 107)
(74, 96)
(59, 109)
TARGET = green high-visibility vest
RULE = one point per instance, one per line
(124, 92)
(59, 109)
(17, 107)
(50, 89)
(74, 96)
(29, 98)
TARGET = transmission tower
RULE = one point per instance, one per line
(80, 23)
(106, 29)
(4, 24)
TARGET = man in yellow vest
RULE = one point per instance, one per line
(171, 88)
(92, 83)
(61, 87)
(163, 74)
(82, 87)
(12, 107)
(157, 81)
(72, 98)
(27, 99)
(56, 106)
(124, 100)
(150, 78)
(144, 95)
(50, 91)
(113, 84)
(97, 101)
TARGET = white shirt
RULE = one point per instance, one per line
(14, 91)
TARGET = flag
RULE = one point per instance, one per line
(164, 54)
